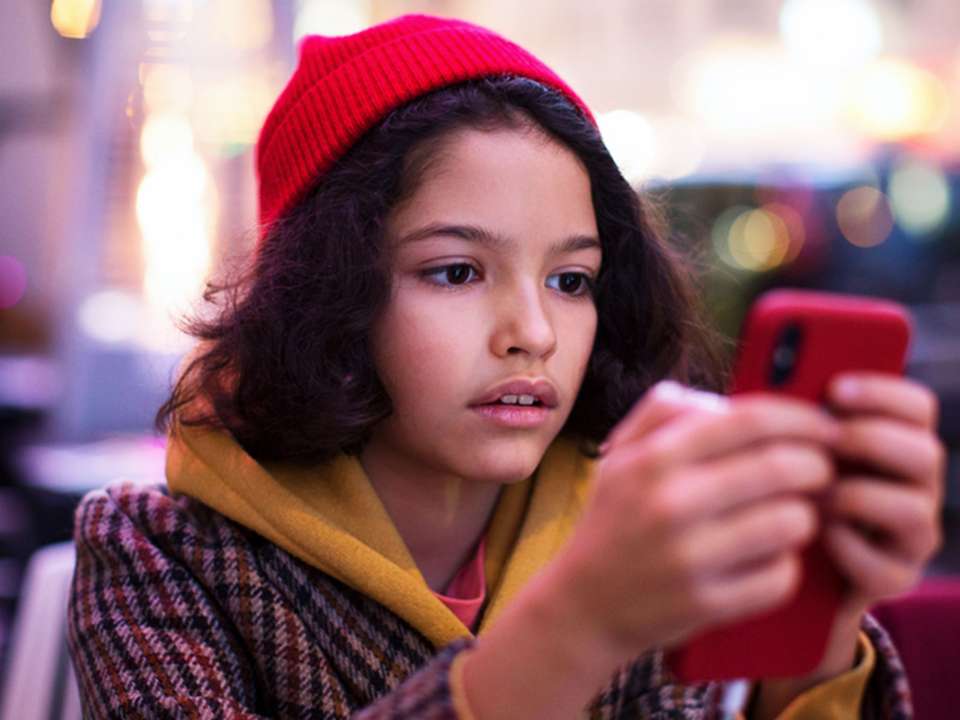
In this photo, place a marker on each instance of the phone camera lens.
(785, 352)
(783, 357)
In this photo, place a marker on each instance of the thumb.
(662, 403)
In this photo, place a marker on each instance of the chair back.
(925, 627)
(39, 681)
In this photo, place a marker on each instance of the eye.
(575, 283)
(456, 272)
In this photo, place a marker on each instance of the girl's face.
(466, 314)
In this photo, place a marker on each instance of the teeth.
(518, 399)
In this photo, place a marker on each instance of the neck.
(439, 518)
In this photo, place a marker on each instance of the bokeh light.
(240, 24)
(119, 317)
(13, 281)
(630, 139)
(168, 11)
(231, 110)
(892, 100)
(176, 209)
(720, 233)
(793, 224)
(75, 18)
(110, 316)
(331, 17)
(679, 147)
(864, 216)
(166, 139)
(834, 32)
(746, 86)
(920, 198)
(166, 88)
(758, 240)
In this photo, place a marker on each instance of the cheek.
(416, 351)
(584, 335)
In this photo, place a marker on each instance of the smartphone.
(793, 342)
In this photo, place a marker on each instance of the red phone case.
(839, 333)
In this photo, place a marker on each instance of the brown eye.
(458, 273)
(571, 282)
(455, 274)
(575, 284)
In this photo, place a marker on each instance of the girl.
(385, 496)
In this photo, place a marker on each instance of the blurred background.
(806, 143)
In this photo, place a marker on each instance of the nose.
(523, 323)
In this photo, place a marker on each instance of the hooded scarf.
(330, 516)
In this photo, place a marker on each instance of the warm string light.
(892, 100)
(176, 204)
(75, 18)
(176, 210)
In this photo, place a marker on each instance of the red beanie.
(345, 85)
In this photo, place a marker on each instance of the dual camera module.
(786, 349)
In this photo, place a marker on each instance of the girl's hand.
(883, 526)
(697, 516)
(884, 521)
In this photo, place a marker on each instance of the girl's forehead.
(509, 182)
(495, 240)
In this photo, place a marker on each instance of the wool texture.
(345, 85)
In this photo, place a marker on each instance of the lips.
(540, 388)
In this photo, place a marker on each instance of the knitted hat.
(343, 86)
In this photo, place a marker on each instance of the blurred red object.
(925, 626)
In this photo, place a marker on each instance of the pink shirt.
(467, 591)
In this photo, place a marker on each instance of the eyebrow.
(496, 241)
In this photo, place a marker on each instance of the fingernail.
(847, 389)
(710, 401)
(669, 389)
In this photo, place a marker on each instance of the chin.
(505, 466)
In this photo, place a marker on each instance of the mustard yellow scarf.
(331, 517)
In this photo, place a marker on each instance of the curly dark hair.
(284, 364)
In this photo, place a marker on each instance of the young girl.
(384, 492)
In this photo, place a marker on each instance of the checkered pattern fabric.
(176, 612)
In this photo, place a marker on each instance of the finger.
(763, 586)
(909, 519)
(884, 394)
(873, 573)
(716, 487)
(891, 447)
(748, 420)
(734, 543)
(663, 402)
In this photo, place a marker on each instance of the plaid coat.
(178, 612)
